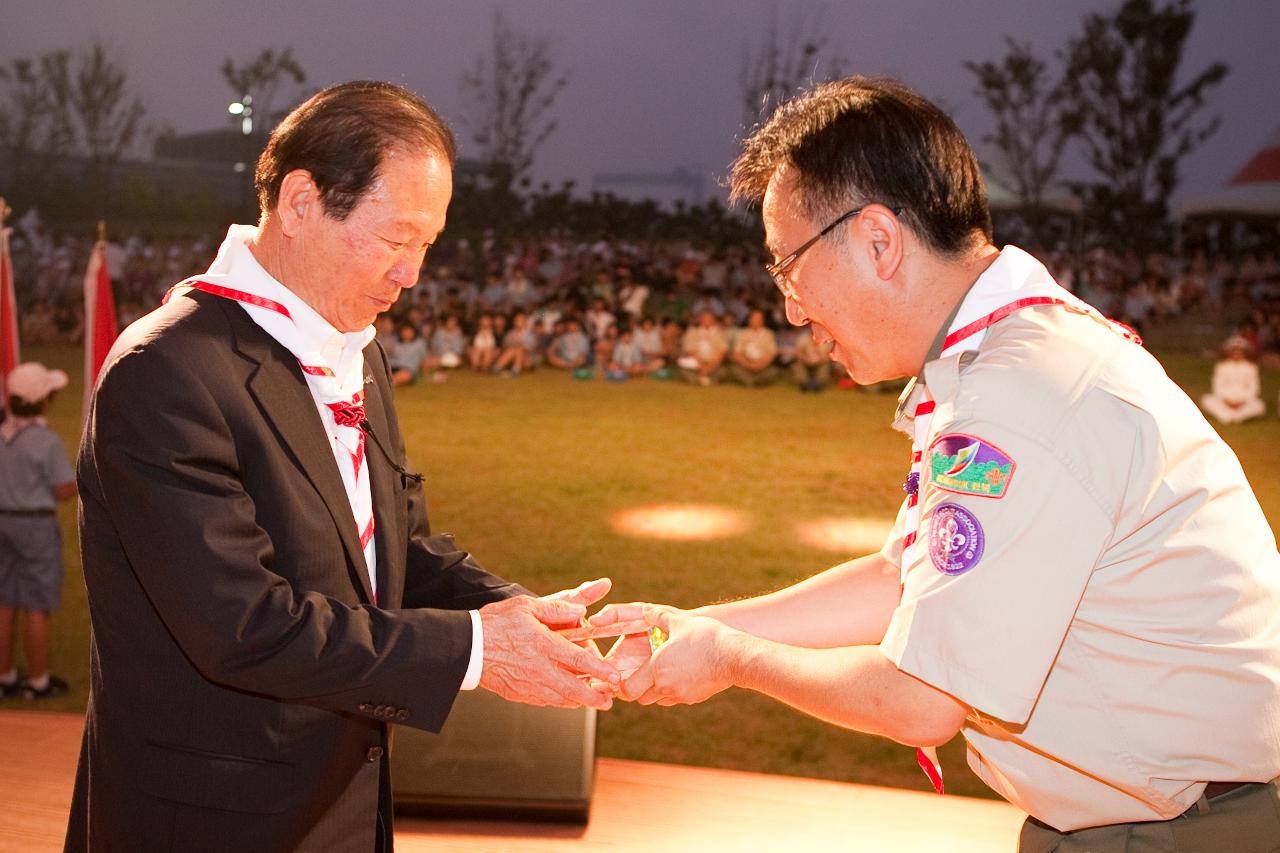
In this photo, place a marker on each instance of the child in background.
(448, 343)
(517, 347)
(34, 475)
(1236, 391)
(628, 358)
(409, 355)
(484, 346)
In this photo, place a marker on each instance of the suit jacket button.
(374, 753)
(402, 714)
(365, 707)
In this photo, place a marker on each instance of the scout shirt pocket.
(999, 568)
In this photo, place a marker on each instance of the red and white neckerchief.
(340, 391)
(1015, 281)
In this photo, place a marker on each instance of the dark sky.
(653, 84)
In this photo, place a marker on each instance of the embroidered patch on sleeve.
(956, 540)
(967, 465)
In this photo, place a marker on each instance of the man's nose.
(405, 273)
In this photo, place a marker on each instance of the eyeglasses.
(779, 270)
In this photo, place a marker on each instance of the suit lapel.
(281, 391)
(383, 483)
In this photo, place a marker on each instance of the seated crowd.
(604, 311)
(712, 349)
(617, 309)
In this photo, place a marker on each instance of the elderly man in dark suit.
(265, 594)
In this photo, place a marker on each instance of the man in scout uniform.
(1080, 579)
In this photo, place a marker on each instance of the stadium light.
(243, 109)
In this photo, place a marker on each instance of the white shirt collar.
(236, 261)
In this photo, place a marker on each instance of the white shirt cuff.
(472, 679)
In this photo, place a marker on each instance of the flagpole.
(9, 342)
(86, 324)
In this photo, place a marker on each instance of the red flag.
(9, 354)
(99, 316)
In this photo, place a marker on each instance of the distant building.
(223, 159)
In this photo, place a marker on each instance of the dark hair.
(861, 140)
(21, 408)
(340, 136)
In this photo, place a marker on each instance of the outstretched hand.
(525, 661)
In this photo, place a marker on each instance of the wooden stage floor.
(638, 806)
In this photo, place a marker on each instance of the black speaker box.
(498, 759)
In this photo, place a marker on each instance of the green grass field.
(528, 472)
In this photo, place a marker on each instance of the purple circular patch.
(955, 539)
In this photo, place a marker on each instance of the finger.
(628, 653)
(638, 685)
(632, 645)
(586, 593)
(657, 615)
(551, 688)
(581, 662)
(574, 692)
(592, 649)
(611, 614)
(588, 630)
(626, 666)
(557, 612)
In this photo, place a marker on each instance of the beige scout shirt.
(756, 344)
(705, 345)
(1119, 638)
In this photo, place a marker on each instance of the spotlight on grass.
(851, 535)
(679, 522)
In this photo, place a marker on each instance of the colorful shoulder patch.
(967, 465)
(956, 540)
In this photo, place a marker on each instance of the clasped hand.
(697, 659)
(525, 660)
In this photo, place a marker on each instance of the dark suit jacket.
(242, 681)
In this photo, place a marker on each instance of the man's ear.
(885, 235)
(298, 199)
